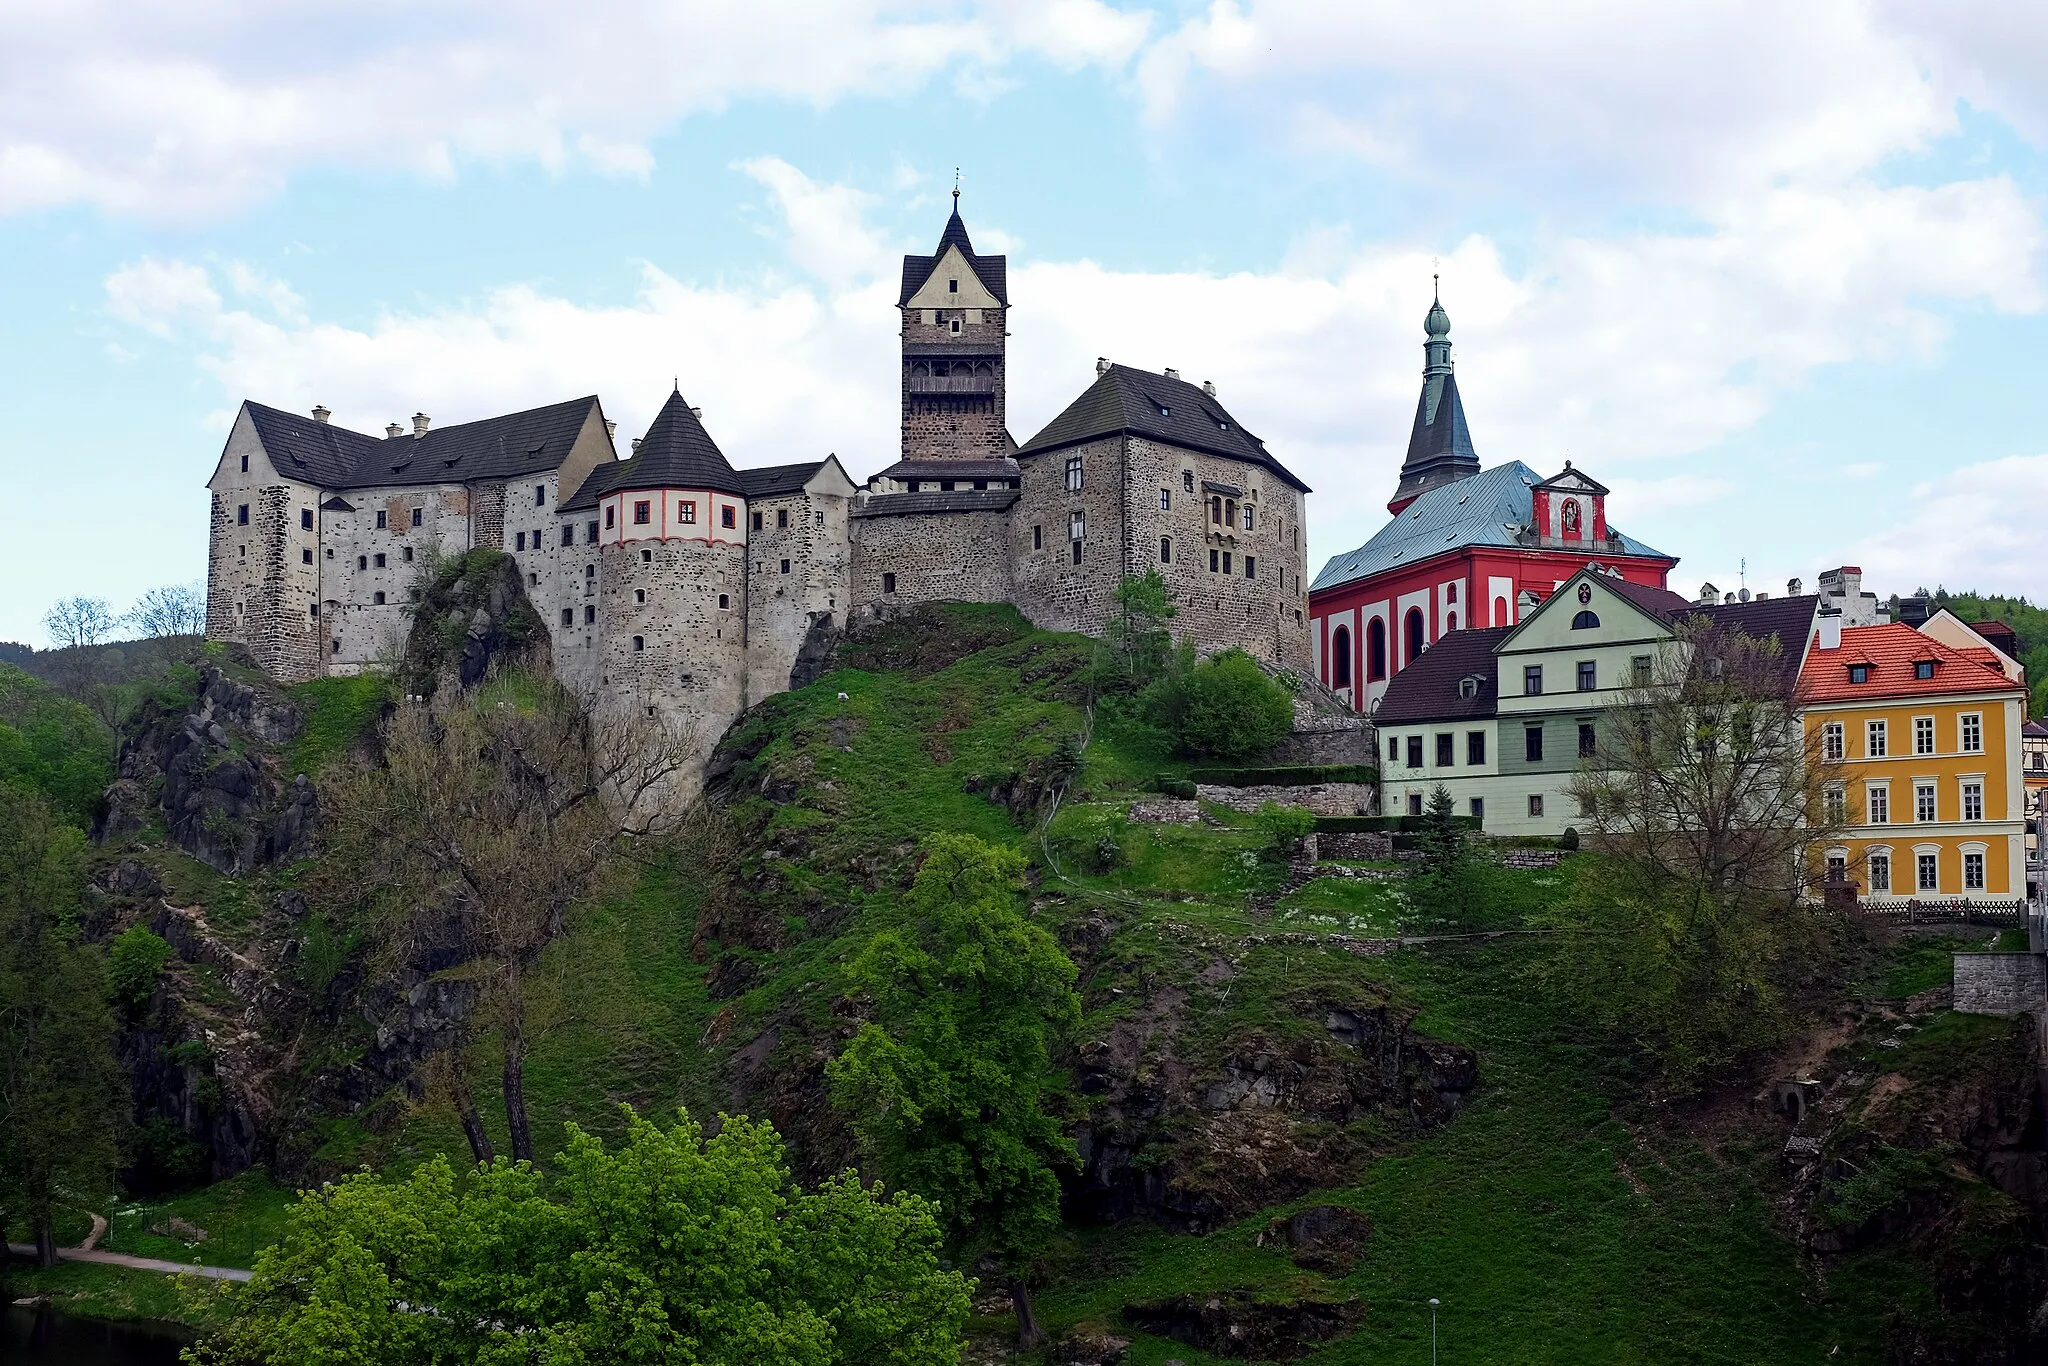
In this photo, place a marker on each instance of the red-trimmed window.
(686, 512)
(643, 512)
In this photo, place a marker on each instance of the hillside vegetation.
(1258, 1040)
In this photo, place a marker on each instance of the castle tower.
(1440, 445)
(954, 305)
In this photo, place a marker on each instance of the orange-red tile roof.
(1891, 651)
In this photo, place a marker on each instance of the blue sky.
(1775, 275)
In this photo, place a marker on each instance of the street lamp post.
(1432, 1333)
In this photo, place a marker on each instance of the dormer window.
(1859, 673)
(1164, 411)
(1923, 668)
(1468, 686)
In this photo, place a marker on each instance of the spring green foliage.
(2029, 623)
(135, 960)
(1283, 826)
(671, 1248)
(1138, 640)
(64, 1092)
(1451, 885)
(1224, 707)
(52, 745)
(338, 712)
(946, 1084)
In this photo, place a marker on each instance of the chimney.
(321, 412)
(697, 413)
(419, 424)
(611, 428)
(1792, 587)
(1727, 599)
(1102, 365)
(1707, 594)
(1209, 387)
(1761, 595)
(1830, 630)
(392, 431)
(1172, 373)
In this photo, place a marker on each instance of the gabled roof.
(2035, 730)
(1569, 480)
(1004, 468)
(774, 481)
(332, 457)
(1891, 650)
(992, 271)
(1427, 690)
(676, 453)
(1140, 403)
(1489, 509)
(1789, 620)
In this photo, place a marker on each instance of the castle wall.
(360, 560)
(954, 416)
(934, 556)
(1053, 589)
(262, 574)
(800, 572)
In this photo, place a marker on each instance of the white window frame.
(1973, 860)
(1877, 803)
(1921, 853)
(1927, 797)
(1876, 739)
(1971, 785)
(1837, 799)
(1970, 732)
(1923, 735)
(1077, 525)
(1833, 747)
(1870, 860)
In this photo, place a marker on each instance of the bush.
(1284, 827)
(1174, 787)
(1569, 840)
(135, 960)
(1222, 708)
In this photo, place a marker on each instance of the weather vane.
(956, 185)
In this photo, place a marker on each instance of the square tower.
(954, 305)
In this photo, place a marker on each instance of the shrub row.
(1299, 775)
(1367, 825)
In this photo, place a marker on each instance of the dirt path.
(88, 1254)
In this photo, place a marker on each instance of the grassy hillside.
(1562, 1215)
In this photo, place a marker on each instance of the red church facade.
(1466, 547)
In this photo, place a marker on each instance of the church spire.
(1439, 445)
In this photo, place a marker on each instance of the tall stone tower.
(954, 305)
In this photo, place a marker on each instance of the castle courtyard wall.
(935, 557)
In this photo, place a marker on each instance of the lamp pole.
(1432, 1333)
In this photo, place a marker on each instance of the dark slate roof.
(1440, 444)
(1661, 603)
(334, 457)
(962, 500)
(951, 469)
(676, 453)
(1144, 404)
(1789, 619)
(775, 481)
(1489, 509)
(1427, 690)
(992, 271)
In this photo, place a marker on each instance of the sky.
(1775, 274)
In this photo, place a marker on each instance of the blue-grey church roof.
(1490, 508)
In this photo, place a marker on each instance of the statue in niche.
(1571, 518)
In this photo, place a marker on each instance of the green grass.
(338, 712)
(1344, 905)
(241, 1217)
(96, 1291)
(1916, 963)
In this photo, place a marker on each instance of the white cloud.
(1619, 354)
(1977, 528)
(194, 110)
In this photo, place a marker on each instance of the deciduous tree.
(946, 1082)
(175, 609)
(77, 621)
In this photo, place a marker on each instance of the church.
(1466, 547)
(677, 581)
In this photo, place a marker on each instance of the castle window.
(1251, 565)
(330, 552)
(383, 519)
(945, 486)
(362, 562)
(1038, 538)
(590, 533)
(568, 534)
(728, 517)
(1213, 556)
(377, 598)
(1230, 512)
(782, 516)
(686, 512)
(647, 557)
(1413, 627)
(952, 286)
(1077, 526)
(1340, 657)
(639, 595)
(1073, 475)
(724, 601)
(337, 647)
(415, 516)
(1450, 622)
(589, 615)
(639, 642)
(785, 566)
(1247, 516)
(1451, 593)
(305, 557)
(757, 521)
(312, 609)
(981, 483)
(1216, 509)
(540, 495)
(380, 559)
(610, 519)
(914, 485)
(519, 541)
(955, 326)
(1375, 650)
(241, 552)
(305, 519)
(820, 517)
(1226, 562)
(888, 583)
(589, 571)
(245, 464)
(242, 515)
(1187, 481)
(1166, 550)
(568, 616)
(643, 512)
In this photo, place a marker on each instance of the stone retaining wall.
(2000, 984)
(1325, 799)
(1365, 847)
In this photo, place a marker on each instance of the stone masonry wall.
(361, 561)
(259, 591)
(961, 427)
(808, 535)
(1052, 590)
(690, 663)
(935, 556)
(2001, 984)
(1325, 799)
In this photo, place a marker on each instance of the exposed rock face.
(1090, 1349)
(1325, 1238)
(1196, 1147)
(1235, 1324)
(474, 614)
(814, 655)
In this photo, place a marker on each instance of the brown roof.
(1427, 690)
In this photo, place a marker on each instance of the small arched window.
(1412, 628)
(1585, 621)
(1340, 657)
(1500, 611)
(1376, 650)
(1451, 622)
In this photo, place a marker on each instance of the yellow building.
(1927, 736)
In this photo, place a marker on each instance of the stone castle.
(677, 582)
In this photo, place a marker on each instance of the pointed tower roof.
(1440, 444)
(676, 453)
(992, 271)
